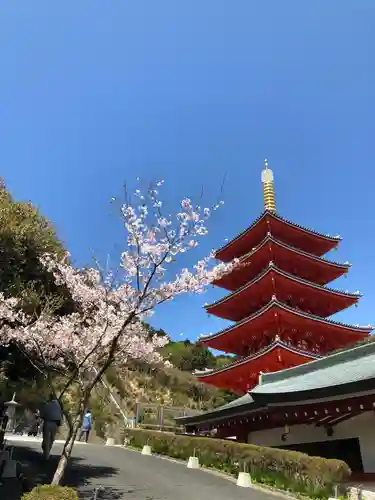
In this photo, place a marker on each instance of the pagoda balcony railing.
(303, 345)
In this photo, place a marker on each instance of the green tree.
(202, 358)
(223, 360)
(188, 356)
(25, 235)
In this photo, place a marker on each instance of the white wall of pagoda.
(362, 427)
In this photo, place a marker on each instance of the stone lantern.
(11, 407)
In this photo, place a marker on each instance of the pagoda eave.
(241, 376)
(285, 257)
(275, 283)
(293, 234)
(290, 325)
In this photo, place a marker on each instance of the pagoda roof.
(275, 316)
(242, 375)
(275, 282)
(311, 267)
(285, 230)
(340, 375)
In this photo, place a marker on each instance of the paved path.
(127, 475)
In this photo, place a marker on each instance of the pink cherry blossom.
(110, 312)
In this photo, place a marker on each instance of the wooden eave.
(214, 308)
(324, 411)
(276, 356)
(352, 333)
(228, 251)
(261, 354)
(222, 413)
(332, 270)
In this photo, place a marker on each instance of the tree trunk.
(67, 451)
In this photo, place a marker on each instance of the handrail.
(112, 397)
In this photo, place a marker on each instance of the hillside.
(168, 387)
(174, 387)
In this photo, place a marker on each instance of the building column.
(242, 435)
(222, 432)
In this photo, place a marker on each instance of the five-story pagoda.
(278, 299)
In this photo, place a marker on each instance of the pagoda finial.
(268, 188)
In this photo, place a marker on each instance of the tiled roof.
(287, 275)
(282, 219)
(275, 302)
(353, 365)
(243, 400)
(234, 407)
(260, 353)
(270, 238)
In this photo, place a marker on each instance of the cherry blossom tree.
(107, 325)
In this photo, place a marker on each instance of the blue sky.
(96, 93)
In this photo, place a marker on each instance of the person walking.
(35, 425)
(86, 426)
(52, 418)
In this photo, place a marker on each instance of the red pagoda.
(278, 300)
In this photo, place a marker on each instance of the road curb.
(27, 439)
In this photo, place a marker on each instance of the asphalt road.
(127, 475)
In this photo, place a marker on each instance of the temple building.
(296, 391)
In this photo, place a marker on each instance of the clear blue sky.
(94, 93)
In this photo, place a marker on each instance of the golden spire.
(268, 188)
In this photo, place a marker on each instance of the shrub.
(282, 469)
(51, 492)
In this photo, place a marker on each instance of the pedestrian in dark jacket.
(36, 424)
(52, 418)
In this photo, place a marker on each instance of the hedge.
(50, 492)
(282, 469)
